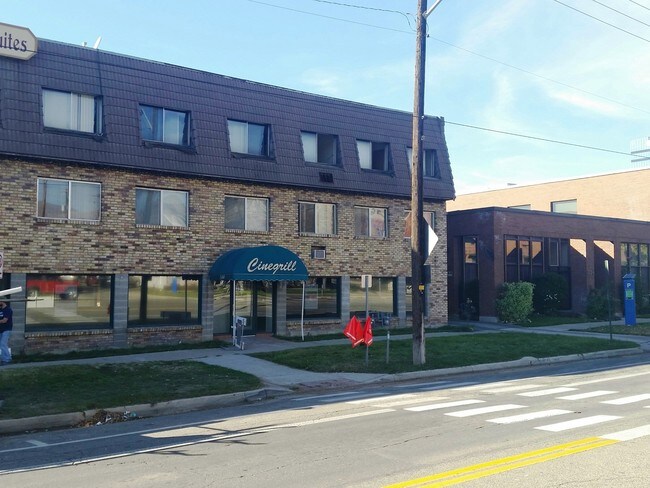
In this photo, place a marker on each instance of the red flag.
(353, 331)
(367, 331)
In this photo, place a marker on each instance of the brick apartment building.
(125, 180)
(570, 227)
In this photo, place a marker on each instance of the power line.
(642, 6)
(602, 21)
(554, 141)
(363, 7)
(474, 53)
(621, 13)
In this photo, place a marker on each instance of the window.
(68, 200)
(431, 168)
(373, 155)
(244, 213)
(163, 125)
(246, 138)
(525, 206)
(161, 207)
(319, 148)
(381, 296)
(524, 258)
(370, 222)
(318, 218)
(72, 111)
(322, 298)
(163, 300)
(68, 301)
(565, 206)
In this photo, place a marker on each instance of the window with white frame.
(68, 200)
(373, 155)
(245, 213)
(430, 166)
(318, 218)
(319, 148)
(161, 207)
(72, 111)
(247, 138)
(164, 125)
(370, 222)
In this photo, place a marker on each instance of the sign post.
(366, 282)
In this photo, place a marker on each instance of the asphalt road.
(576, 424)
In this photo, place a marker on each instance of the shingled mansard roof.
(125, 82)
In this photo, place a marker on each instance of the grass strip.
(35, 391)
(441, 352)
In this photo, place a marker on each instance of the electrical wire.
(621, 13)
(602, 21)
(640, 5)
(554, 141)
(363, 7)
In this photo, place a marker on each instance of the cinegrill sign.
(17, 42)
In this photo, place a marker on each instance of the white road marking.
(37, 443)
(591, 394)
(483, 386)
(507, 389)
(530, 416)
(611, 378)
(626, 435)
(382, 398)
(408, 401)
(483, 410)
(573, 424)
(318, 397)
(629, 399)
(550, 391)
(436, 406)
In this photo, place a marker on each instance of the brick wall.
(117, 245)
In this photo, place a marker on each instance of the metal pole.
(302, 313)
(609, 309)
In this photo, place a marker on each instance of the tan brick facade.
(117, 245)
(621, 195)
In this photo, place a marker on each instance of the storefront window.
(166, 300)
(380, 295)
(321, 298)
(68, 301)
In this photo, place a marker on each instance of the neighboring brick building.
(570, 227)
(124, 180)
(620, 195)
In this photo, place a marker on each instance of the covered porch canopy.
(261, 263)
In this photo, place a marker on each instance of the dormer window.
(164, 125)
(431, 168)
(319, 148)
(247, 138)
(72, 111)
(373, 155)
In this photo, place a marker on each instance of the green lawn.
(638, 329)
(35, 391)
(441, 352)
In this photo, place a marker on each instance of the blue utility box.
(629, 299)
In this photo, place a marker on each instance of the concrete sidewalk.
(281, 380)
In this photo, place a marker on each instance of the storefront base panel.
(156, 336)
(60, 342)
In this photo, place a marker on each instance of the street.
(578, 424)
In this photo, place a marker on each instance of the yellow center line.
(497, 466)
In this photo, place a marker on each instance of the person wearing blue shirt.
(6, 324)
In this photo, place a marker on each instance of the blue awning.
(271, 263)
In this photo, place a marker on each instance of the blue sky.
(532, 67)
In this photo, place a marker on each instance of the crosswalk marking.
(482, 386)
(629, 399)
(524, 417)
(455, 386)
(319, 397)
(590, 394)
(550, 391)
(436, 406)
(627, 435)
(483, 410)
(382, 398)
(397, 400)
(582, 422)
(507, 389)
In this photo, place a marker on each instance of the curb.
(66, 420)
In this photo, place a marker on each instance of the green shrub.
(550, 292)
(515, 302)
(597, 304)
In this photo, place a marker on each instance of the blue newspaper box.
(629, 299)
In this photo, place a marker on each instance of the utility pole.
(417, 217)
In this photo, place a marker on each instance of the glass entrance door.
(255, 304)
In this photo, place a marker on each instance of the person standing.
(6, 324)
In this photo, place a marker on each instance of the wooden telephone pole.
(418, 256)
